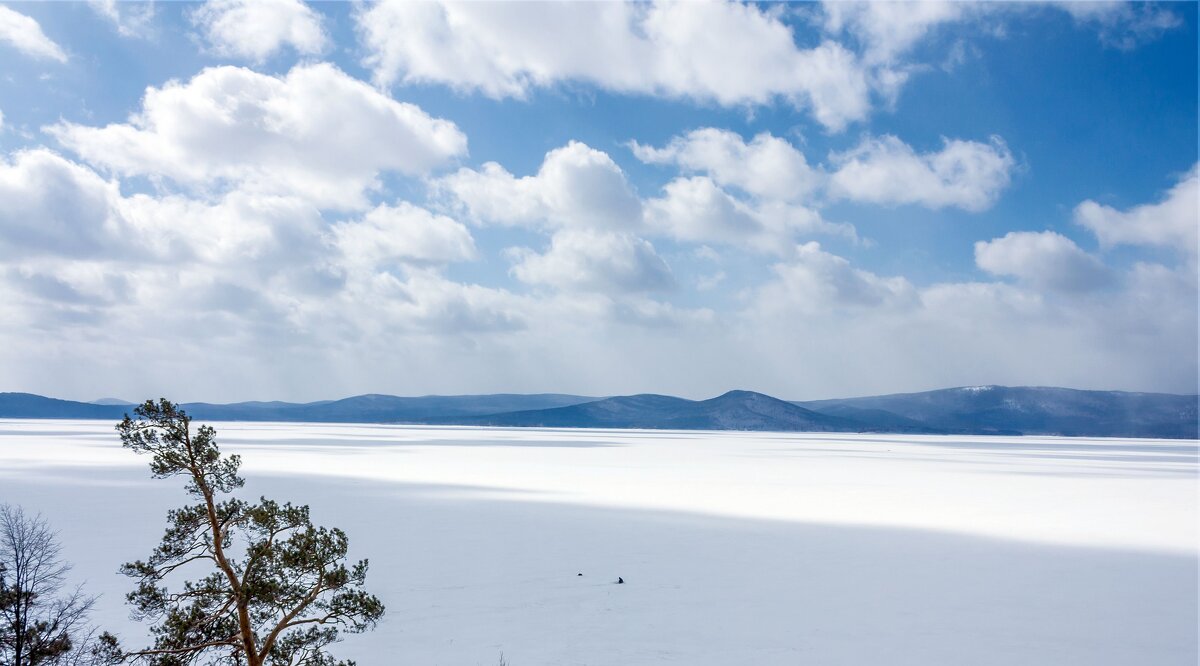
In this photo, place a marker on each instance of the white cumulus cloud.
(256, 29)
(696, 210)
(403, 233)
(236, 228)
(315, 133)
(576, 186)
(1045, 260)
(25, 35)
(131, 19)
(815, 281)
(1171, 222)
(822, 316)
(579, 187)
(889, 29)
(588, 260)
(669, 49)
(964, 174)
(766, 166)
(50, 205)
(259, 271)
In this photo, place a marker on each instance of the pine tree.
(268, 588)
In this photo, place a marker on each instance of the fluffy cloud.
(663, 49)
(696, 210)
(824, 319)
(773, 176)
(667, 48)
(889, 29)
(261, 273)
(54, 208)
(315, 133)
(768, 176)
(767, 166)
(1049, 326)
(268, 279)
(249, 178)
(885, 170)
(402, 234)
(1044, 259)
(81, 260)
(131, 19)
(51, 205)
(261, 303)
(814, 280)
(576, 186)
(579, 187)
(25, 35)
(595, 261)
(1171, 222)
(375, 307)
(237, 229)
(256, 29)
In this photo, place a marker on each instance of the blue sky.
(231, 200)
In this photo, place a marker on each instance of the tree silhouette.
(272, 589)
(42, 622)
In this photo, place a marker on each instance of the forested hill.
(965, 410)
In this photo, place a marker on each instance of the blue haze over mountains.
(967, 410)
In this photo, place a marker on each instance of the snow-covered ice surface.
(737, 548)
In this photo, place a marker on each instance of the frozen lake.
(738, 548)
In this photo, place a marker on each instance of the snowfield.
(737, 548)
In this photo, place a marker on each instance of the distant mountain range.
(967, 410)
(735, 410)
